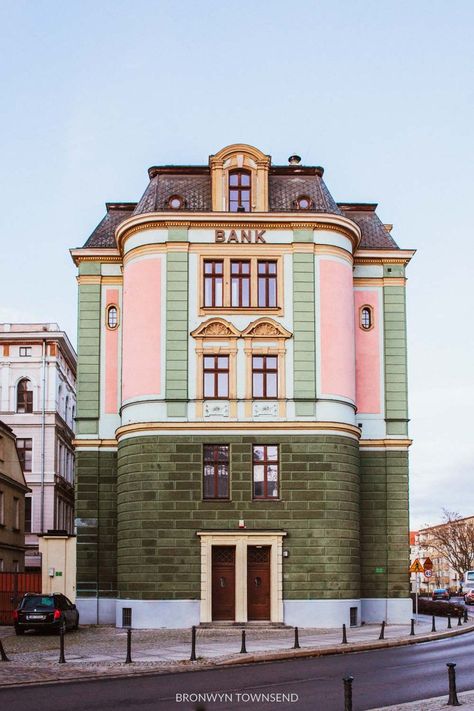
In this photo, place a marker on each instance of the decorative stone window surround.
(372, 317)
(241, 540)
(235, 157)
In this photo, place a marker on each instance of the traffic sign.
(428, 564)
(428, 573)
(416, 566)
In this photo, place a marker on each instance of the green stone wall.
(177, 333)
(96, 513)
(304, 357)
(88, 366)
(160, 508)
(384, 523)
(395, 350)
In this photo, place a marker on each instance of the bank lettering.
(240, 236)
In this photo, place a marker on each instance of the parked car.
(441, 594)
(45, 612)
(469, 597)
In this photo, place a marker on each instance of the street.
(380, 678)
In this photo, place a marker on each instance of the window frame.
(216, 371)
(265, 462)
(239, 188)
(213, 277)
(267, 278)
(265, 371)
(240, 277)
(27, 351)
(29, 519)
(23, 450)
(28, 400)
(215, 463)
(370, 309)
(107, 316)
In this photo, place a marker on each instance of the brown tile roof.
(286, 185)
(374, 234)
(194, 187)
(104, 233)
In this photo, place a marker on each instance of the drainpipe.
(43, 431)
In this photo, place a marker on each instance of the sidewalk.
(466, 699)
(95, 651)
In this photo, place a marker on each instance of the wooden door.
(258, 582)
(223, 583)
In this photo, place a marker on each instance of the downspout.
(43, 431)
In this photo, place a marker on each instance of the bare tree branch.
(453, 540)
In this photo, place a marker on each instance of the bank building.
(242, 442)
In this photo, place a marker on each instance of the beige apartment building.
(12, 504)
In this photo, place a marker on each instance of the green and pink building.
(242, 423)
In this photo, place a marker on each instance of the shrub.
(437, 607)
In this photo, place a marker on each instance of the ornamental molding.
(265, 328)
(216, 409)
(265, 409)
(216, 328)
(261, 328)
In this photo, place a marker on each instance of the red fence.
(12, 588)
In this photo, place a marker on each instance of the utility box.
(58, 553)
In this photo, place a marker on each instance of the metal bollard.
(433, 624)
(243, 648)
(62, 659)
(3, 656)
(382, 631)
(449, 622)
(453, 697)
(412, 631)
(297, 640)
(465, 614)
(344, 635)
(192, 658)
(459, 619)
(128, 660)
(348, 692)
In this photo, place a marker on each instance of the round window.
(303, 202)
(176, 202)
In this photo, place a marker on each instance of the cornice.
(105, 254)
(383, 256)
(386, 444)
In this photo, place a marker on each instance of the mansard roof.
(374, 233)
(104, 233)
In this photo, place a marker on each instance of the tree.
(453, 540)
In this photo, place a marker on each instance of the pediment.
(265, 328)
(216, 328)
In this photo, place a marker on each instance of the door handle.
(222, 582)
(257, 581)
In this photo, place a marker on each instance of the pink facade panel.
(141, 328)
(111, 357)
(368, 355)
(337, 329)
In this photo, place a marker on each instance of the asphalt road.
(381, 678)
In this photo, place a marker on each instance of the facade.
(38, 401)
(12, 504)
(242, 442)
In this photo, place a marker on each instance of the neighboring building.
(242, 442)
(12, 505)
(38, 401)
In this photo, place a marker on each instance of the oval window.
(303, 202)
(366, 317)
(112, 317)
(176, 202)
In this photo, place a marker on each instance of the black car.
(45, 612)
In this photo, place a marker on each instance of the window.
(213, 283)
(2, 448)
(265, 471)
(112, 316)
(24, 396)
(264, 376)
(2, 508)
(176, 202)
(1, 565)
(267, 284)
(303, 202)
(16, 566)
(240, 283)
(239, 191)
(25, 351)
(27, 514)
(216, 376)
(216, 471)
(24, 448)
(366, 318)
(16, 513)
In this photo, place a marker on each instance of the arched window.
(112, 316)
(24, 396)
(366, 318)
(239, 191)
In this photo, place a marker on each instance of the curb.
(255, 658)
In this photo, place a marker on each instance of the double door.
(224, 582)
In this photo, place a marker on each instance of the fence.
(12, 588)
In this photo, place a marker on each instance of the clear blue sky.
(378, 92)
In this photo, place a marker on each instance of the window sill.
(205, 310)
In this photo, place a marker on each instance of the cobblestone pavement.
(94, 651)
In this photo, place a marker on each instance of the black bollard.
(297, 640)
(453, 697)
(3, 656)
(382, 631)
(344, 635)
(459, 619)
(192, 658)
(62, 659)
(128, 660)
(465, 614)
(243, 648)
(449, 622)
(348, 692)
(412, 631)
(433, 624)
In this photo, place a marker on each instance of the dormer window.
(239, 191)
(303, 202)
(176, 202)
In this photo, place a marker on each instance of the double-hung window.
(267, 284)
(213, 282)
(216, 471)
(239, 191)
(264, 376)
(216, 376)
(24, 447)
(265, 465)
(240, 283)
